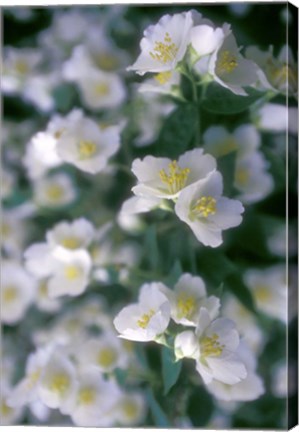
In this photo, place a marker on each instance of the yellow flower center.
(102, 89)
(87, 149)
(107, 61)
(186, 305)
(59, 383)
(204, 207)
(5, 409)
(86, 396)
(33, 378)
(163, 77)
(43, 288)
(282, 75)
(226, 63)
(21, 67)
(106, 357)
(242, 176)
(176, 178)
(72, 272)
(210, 346)
(10, 294)
(71, 242)
(55, 192)
(129, 408)
(165, 51)
(145, 319)
(5, 229)
(262, 293)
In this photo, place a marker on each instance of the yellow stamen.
(43, 288)
(33, 378)
(165, 51)
(86, 396)
(5, 229)
(129, 408)
(226, 63)
(163, 77)
(280, 76)
(87, 149)
(5, 410)
(55, 192)
(185, 305)
(204, 207)
(102, 89)
(262, 293)
(107, 61)
(59, 383)
(145, 319)
(71, 242)
(21, 67)
(72, 272)
(176, 179)
(107, 357)
(210, 346)
(242, 176)
(10, 294)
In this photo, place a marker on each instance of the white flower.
(13, 231)
(278, 74)
(39, 260)
(135, 205)
(213, 346)
(8, 415)
(218, 141)
(94, 400)
(130, 410)
(147, 319)
(248, 328)
(274, 117)
(71, 272)
(87, 146)
(54, 191)
(38, 91)
(188, 296)
(58, 382)
(269, 290)
(164, 44)
(43, 300)
(18, 291)
(248, 389)
(204, 37)
(104, 352)
(277, 241)
(26, 391)
(284, 378)
(101, 90)
(251, 178)
(71, 235)
(166, 178)
(8, 182)
(207, 213)
(163, 82)
(230, 69)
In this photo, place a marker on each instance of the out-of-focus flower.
(18, 290)
(214, 347)
(166, 178)
(202, 207)
(284, 378)
(277, 118)
(230, 69)
(38, 91)
(43, 300)
(87, 146)
(131, 409)
(164, 44)
(8, 415)
(250, 388)
(187, 298)
(71, 235)
(8, 181)
(130, 223)
(105, 353)
(94, 400)
(147, 319)
(54, 191)
(269, 290)
(277, 241)
(275, 73)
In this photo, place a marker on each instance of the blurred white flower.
(284, 378)
(164, 44)
(8, 415)
(163, 82)
(131, 409)
(94, 400)
(8, 181)
(104, 353)
(87, 146)
(130, 223)
(186, 299)
(13, 232)
(252, 179)
(202, 206)
(71, 272)
(214, 347)
(250, 388)
(282, 242)
(18, 290)
(38, 91)
(54, 191)
(166, 178)
(39, 260)
(71, 235)
(269, 289)
(43, 300)
(147, 319)
(273, 117)
(58, 382)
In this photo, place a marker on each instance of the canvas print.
(149, 222)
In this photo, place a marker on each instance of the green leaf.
(214, 266)
(236, 285)
(222, 101)
(226, 165)
(151, 246)
(170, 369)
(121, 376)
(174, 274)
(177, 131)
(64, 96)
(159, 416)
(200, 407)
